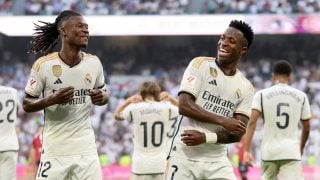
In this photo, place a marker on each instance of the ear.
(290, 77)
(62, 31)
(244, 50)
(273, 78)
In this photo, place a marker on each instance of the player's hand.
(62, 95)
(164, 95)
(98, 97)
(193, 137)
(301, 151)
(248, 158)
(234, 126)
(135, 99)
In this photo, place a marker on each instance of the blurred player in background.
(9, 146)
(151, 128)
(282, 108)
(35, 150)
(215, 100)
(66, 84)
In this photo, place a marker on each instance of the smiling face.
(231, 46)
(74, 31)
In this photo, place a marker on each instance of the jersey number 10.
(156, 126)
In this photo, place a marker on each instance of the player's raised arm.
(165, 96)
(133, 99)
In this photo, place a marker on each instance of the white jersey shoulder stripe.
(41, 60)
(197, 62)
(88, 55)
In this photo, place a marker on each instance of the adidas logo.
(213, 82)
(58, 81)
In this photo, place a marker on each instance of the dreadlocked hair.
(244, 28)
(46, 36)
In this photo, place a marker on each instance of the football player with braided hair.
(66, 84)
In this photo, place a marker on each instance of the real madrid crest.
(213, 72)
(88, 78)
(56, 70)
(237, 94)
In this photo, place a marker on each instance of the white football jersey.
(67, 129)
(282, 108)
(153, 126)
(216, 93)
(9, 103)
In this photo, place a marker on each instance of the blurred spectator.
(166, 63)
(162, 7)
(6, 7)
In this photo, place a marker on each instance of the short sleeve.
(306, 112)
(256, 103)
(100, 81)
(192, 78)
(35, 83)
(126, 114)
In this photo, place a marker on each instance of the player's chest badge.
(88, 79)
(237, 94)
(56, 70)
(213, 72)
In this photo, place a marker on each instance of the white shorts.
(8, 163)
(178, 168)
(286, 169)
(147, 176)
(76, 167)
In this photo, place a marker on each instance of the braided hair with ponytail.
(46, 36)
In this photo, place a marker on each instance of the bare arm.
(99, 97)
(127, 102)
(188, 107)
(194, 137)
(255, 114)
(33, 104)
(164, 96)
(305, 134)
(226, 137)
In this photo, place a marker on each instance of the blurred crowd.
(165, 63)
(162, 7)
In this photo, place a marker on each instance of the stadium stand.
(164, 58)
(114, 137)
(162, 7)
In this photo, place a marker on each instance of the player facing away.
(214, 101)
(66, 84)
(9, 146)
(282, 108)
(151, 129)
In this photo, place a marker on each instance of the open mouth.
(223, 51)
(85, 37)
